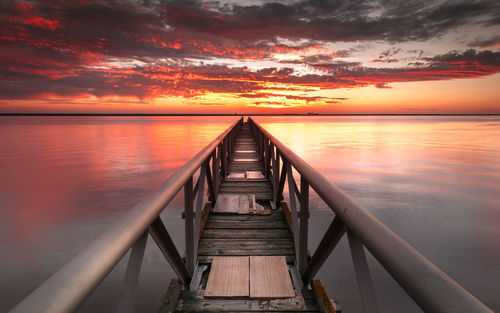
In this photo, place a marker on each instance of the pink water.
(435, 181)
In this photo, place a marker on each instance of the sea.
(433, 180)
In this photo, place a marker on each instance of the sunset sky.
(129, 56)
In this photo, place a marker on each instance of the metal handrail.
(70, 286)
(430, 288)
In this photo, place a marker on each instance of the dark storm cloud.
(485, 42)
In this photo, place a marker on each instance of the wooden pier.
(248, 256)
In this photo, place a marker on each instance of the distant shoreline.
(241, 114)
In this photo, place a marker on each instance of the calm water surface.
(434, 181)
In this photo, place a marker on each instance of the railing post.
(211, 185)
(276, 171)
(224, 159)
(127, 296)
(293, 205)
(304, 222)
(188, 221)
(199, 207)
(363, 277)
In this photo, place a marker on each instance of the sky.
(340, 57)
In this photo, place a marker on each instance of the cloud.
(148, 49)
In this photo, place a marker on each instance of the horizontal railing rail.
(426, 284)
(70, 286)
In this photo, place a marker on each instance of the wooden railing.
(70, 286)
(429, 287)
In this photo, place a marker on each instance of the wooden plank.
(245, 160)
(196, 303)
(202, 259)
(246, 233)
(248, 225)
(234, 252)
(198, 273)
(276, 215)
(269, 278)
(245, 244)
(236, 175)
(245, 204)
(254, 175)
(227, 203)
(245, 151)
(229, 277)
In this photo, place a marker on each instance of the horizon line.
(251, 114)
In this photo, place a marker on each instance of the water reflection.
(65, 179)
(434, 181)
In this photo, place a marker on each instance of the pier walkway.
(246, 226)
(229, 233)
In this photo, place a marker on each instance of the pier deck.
(243, 235)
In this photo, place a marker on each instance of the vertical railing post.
(224, 159)
(214, 170)
(304, 223)
(127, 296)
(276, 170)
(293, 208)
(199, 208)
(188, 221)
(273, 173)
(365, 284)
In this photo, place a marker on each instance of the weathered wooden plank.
(254, 175)
(234, 252)
(242, 160)
(241, 155)
(246, 244)
(246, 166)
(228, 277)
(245, 204)
(240, 175)
(304, 301)
(193, 295)
(269, 278)
(202, 259)
(247, 233)
(227, 203)
(198, 273)
(296, 304)
(248, 183)
(275, 216)
(246, 225)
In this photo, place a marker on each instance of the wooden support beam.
(188, 221)
(167, 247)
(217, 169)
(332, 236)
(211, 186)
(293, 209)
(127, 295)
(276, 171)
(171, 296)
(199, 207)
(363, 277)
(304, 223)
(281, 185)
